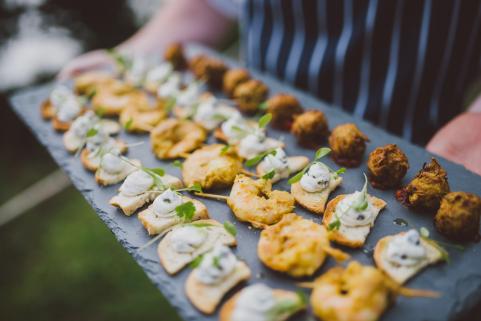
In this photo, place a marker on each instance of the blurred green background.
(58, 260)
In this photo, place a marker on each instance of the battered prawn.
(255, 202)
(173, 138)
(212, 167)
(296, 246)
(142, 116)
(110, 100)
(356, 293)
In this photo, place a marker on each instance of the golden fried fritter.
(427, 189)
(173, 138)
(283, 108)
(296, 246)
(249, 95)
(175, 55)
(348, 144)
(210, 69)
(233, 78)
(458, 216)
(255, 202)
(387, 166)
(211, 168)
(310, 128)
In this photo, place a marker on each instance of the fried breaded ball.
(295, 245)
(249, 95)
(175, 55)
(210, 69)
(310, 128)
(458, 216)
(387, 166)
(427, 189)
(210, 167)
(348, 144)
(233, 78)
(284, 108)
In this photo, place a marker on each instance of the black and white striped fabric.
(402, 64)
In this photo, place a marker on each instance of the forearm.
(181, 21)
(460, 139)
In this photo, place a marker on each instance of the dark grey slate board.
(459, 281)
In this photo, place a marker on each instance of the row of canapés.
(158, 97)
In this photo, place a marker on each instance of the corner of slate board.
(459, 281)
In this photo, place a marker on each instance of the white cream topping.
(138, 70)
(208, 114)
(189, 96)
(406, 249)
(356, 209)
(159, 74)
(254, 304)
(113, 164)
(82, 124)
(100, 139)
(316, 178)
(235, 128)
(136, 183)
(253, 144)
(216, 265)
(188, 238)
(171, 87)
(66, 104)
(278, 163)
(165, 204)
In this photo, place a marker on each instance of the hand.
(460, 141)
(89, 61)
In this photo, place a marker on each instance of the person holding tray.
(402, 65)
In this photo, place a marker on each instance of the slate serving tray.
(459, 281)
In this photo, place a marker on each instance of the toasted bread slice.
(206, 297)
(129, 204)
(316, 201)
(72, 142)
(155, 224)
(92, 163)
(354, 237)
(228, 308)
(46, 110)
(104, 178)
(295, 163)
(401, 273)
(173, 261)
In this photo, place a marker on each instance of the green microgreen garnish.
(123, 62)
(335, 224)
(288, 306)
(269, 175)
(177, 163)
(91, 132)
(185, 211)
(225, 149)
(230, 228)
(196, 262)
(256, 159)
(263, 106)
(193, 188)
(169, 104)
(216, 262)
(320, 153)
(129, 123)
(363, 204)
(264, 120)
